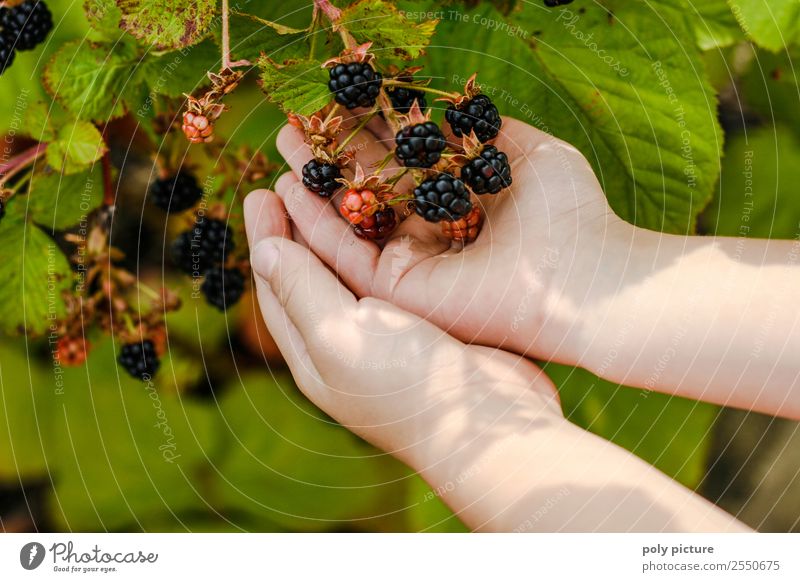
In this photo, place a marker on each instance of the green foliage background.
(635, 85)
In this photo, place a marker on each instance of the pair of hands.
(420, 348)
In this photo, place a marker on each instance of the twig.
(18, 163)
(108, 184)
(357, 129)
(395, 83)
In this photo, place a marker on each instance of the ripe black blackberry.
(206, 244)
(355, 84)
(320, 177)
(478, 113)
(7, 51)
(554, 3)
(26, 25)
(177, 193)
(489, 172)
(139, 359)
(223, 287)
(420, 145)
(378, 226)
(403, 98)
(444, 197)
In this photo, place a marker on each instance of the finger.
(330, 237)
(264, 216)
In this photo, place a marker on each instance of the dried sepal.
(357, 54)
(373, 182)
(471, 89)
(414, 116)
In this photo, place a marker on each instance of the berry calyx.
(420, 145)
(206, 244)
(139, 359)
(197, 127)
(476, 114)
(357, 205)
(443, 197)
(378, 226)
(176, 193)
(322, 177)
(465, 229)
(71, 351)
(26, 25)
(489, 173)
(403, 98)
(222, 287)
(355, 84)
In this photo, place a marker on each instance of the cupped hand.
(517, 286)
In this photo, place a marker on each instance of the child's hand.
(503, 290)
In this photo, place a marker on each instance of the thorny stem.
(226, 41)
(394, 83)
(20, 162)
(334, 110)
(358, 128)
(396, 178)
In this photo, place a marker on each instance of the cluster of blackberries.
(139, 359)
(22, 28)
(176, 193)
(201, 251)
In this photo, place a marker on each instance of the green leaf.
(714, 24)
(126, 451)
(772, 24)
(297, 86)
(288, 463)
(34, 271)
(25, 415)
(758, 187)
(387, 28)
(770, 87)
(643, 113)
(89, 79)
(182, 72)
(37, 122)
(252, 36)
(103, 17)
(77, 147)
(167, 25)
(56, 201)
(669, 432)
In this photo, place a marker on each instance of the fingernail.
(265, 257)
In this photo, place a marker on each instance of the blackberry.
(378, 226)
(444, 197)
(223, 287)
(320, 177)
(478, 113)
(26, 25)
(7, 50)
(420, 145)
(177, 193)
(139, 359)
(206, 244)
(403, 98)
(554, 3)
(355, 84)
(489, 172)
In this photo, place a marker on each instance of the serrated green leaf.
(56, 201)
(286, 461)
(103, 17)
(88, 80)
(772, 24)
(388, 29)
(25, 415)
(167, 25)
(182, 72)
(37, 123)
(76, 148)
(34, 271)
(297, 86)
(252, 36)
(643, 113)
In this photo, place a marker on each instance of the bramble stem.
(108, 185)
(20, 162)
(357, 129)
(425, 88)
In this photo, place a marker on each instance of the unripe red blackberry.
(139, 359)
(26, 25)
(378, 226)
(355, 84)
(176, 193)
(478, 114)
(443, 197)
(420, 145)
(321, 177)
(489, 172)
(465, 229)
(356, 205)
(223, 288)
(197, 128)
